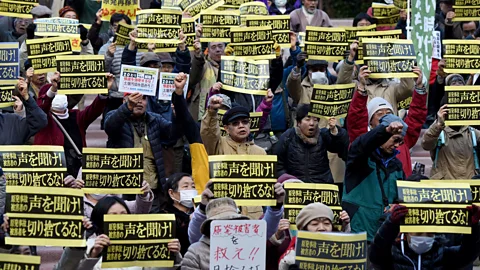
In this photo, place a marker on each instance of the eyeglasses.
(245, 122)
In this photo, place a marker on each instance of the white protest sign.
(138, 79)
(238, 244)
(167, 86)
(437, 45)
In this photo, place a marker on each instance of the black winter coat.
(309, 162)
(386, 253)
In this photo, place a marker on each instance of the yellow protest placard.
(17, 8)
(331, 100)
(390, 34)
(280, 27)
(326, 43)
(16, 261)
(6, 99)
(127, 7)
(82, 74)
(43, 51)
(217, 25)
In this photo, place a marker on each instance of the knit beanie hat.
(302, 111)
(390, 118)
(375, 105)
(311, 212)
(284, 177)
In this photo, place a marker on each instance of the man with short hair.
(308, 15)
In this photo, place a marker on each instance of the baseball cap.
(235, 113)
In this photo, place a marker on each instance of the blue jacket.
(120, 132)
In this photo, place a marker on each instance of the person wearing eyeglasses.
(372, 171)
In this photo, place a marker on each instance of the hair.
(465, 22)
(101, 209)
(363, 16)
(66, 9)
(415, 177)
(172, 183)
(477, 176)
(118, 17)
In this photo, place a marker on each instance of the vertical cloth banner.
(423, 23)
(238, 244)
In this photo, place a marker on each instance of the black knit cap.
(235, 113)
(302, 111)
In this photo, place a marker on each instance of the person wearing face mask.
(180, 192)
(453, 149)
(308, 15)
(418, 251)
(66, 127)
(302, 150)
(316, 218)
(372, 173)
(90, 257)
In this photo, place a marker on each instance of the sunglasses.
(244, 122)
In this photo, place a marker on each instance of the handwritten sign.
(388, 58)
(255, 118)
(40, 215)
(299, 195)
(248, 179)
(9, 63)
(167, 86)
(138, 240)
(241, 75)
(331, 250)
(6, 99)
(463, 103)
(436, 207)
(15, 261)
(236, 244)
(82, 74)
(217, 25)
(138, 79)
(112, 171)
(126, 7)
(253, 42)
(17, 8)
(280, 27)
(331, 100)
(391, 34)
(43, 52)
(462, 56)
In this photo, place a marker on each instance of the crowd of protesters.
(364, 153)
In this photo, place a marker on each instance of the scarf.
(313, 140)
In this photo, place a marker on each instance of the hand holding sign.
(23, 88)
(449, 17)
(301, 58)
(207, 194)
(279, 193)
(398, 213)
(198, 30)
(197, 46)
(55, 81)
(293, 41)
(269, 96)
(217, 87)
(101, 242)
(441, 115)
(183, 38)
(363, 75)
(419, 82)
(145, 189)
(133, 100)
(174, 246)
(110, 80)
(98, 17)
(30, 72)
(283, 225)
(353, 50)
(345, 218)
(180, 81)
(111, 49)
(18, 106)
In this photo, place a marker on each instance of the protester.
(132, 126)
(308, 15)
(17, 130)
(359, 119)
(91, 257)
(372, 173)
(363, 19)
(315, 217)
(446, 20)
(99, 39)
(421, 250)
(180, 192)
(19, 29)
(452, 148)
(302, 150)
(283, 7)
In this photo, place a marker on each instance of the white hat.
(376, 104)
(60, 103)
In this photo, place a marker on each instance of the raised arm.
(430, 139)
(210, 128)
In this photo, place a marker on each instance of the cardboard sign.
(217, 25)
(248, 179)
(9, 63)
(82, 75)
(331, 100)
(43, 215)
(15, 261)
(6, 99)
(462, 56)
(331, 250)
(112, 171)
(130, 234)
(17, 8)
(126, 7)
(388, 58)
(231, 244)
(43, 52)
(138, 79)
(435, 207)
(167, 86)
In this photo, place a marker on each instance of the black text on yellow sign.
(404, 104)
(159, 17)
(326, 35)
(46, 29)
(42, 52)
(36, 157)
(253, 8)
(391, 34)
(158, 34)
(217, 25)
(48, 178)
(251, 34)
(433, 192)
(466, 14)
(257, 51)
(19, 262)
(245, 66)
(82, 75)
(280, 26)
(333, 93)
(246, 192)
(459, 115)
(112, 171)
(467, 3)
(6, 99)
(17, 9)
(384, 11)
(331, 251)
(401, 4)
(467, 95)
(329, 52)
(244, 84)
(462, 56)
(139, 240)
(353, 31)
(382, 69)
(329, 109)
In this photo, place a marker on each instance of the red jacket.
(52, 134)
(357, 123)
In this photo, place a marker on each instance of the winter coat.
(299, 23)
(141, 205)
(198, 255)
(16, 130)
(181, 228)
(366, 169)
(357, 122)
(386, 252)
(306, 158)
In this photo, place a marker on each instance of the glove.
(31, 31)
(278, 49)
(301, 58)
(475, 213)
(83, 32)
(229, 50)
(398, 213)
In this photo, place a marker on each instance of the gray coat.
(299, 23)
(16, 130)
(198, 255)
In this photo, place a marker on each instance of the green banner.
(423, 25)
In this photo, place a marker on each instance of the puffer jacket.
(306, 158)
(120, 133)
(366, 169)
(386, 251)
(198, 255)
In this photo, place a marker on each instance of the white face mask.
(186, 197)
(280, 3)
(319, 78)
(98, 196)
(421, 244)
